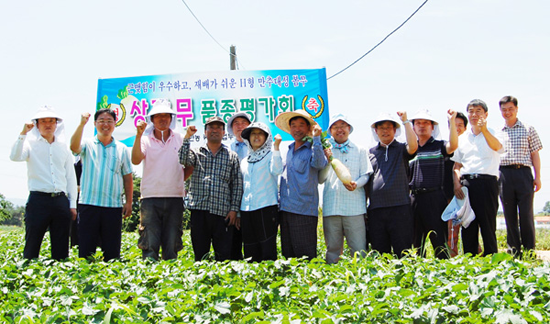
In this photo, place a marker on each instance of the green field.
(377, 289)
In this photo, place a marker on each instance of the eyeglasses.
(105, 121)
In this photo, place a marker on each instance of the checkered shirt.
(217, 182)
(520, 141)
(337, 200)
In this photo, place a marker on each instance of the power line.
(372, 49)
(206, 30)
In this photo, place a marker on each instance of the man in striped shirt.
(106, 171)
(427, 178)
(517, 185)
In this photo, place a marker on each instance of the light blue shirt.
(240, 148)
(299, 181)
(103, 168)
(260, 181)
(337, 200)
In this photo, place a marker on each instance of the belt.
(419, 191)
(477, 176)
(514, 166)
(49, 194)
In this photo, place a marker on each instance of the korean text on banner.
(197, 96)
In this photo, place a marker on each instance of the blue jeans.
(161, 224)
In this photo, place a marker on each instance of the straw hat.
(283, 120)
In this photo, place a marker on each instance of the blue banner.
(197, 96)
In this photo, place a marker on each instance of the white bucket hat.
(382, 117)
(341, 117)
(241, 114)
(425, 114)
(161, 106)
(48, 112)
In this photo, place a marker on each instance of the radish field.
(377, 289)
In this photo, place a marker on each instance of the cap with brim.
(424, 114)
(256, 125)
(341, 117)
(382, 117)
(283, 120)
(215, 119)
(161, 106)
(46, 112)
(230, 121)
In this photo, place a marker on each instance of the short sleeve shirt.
(428, 166)
(520, 141)
(390, 181)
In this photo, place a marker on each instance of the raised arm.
(492, 141)
(137, 154)
(76, 139)
(412, 142)
(17, 151)
(187, 158)
(452, 144)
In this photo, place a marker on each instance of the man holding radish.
(299, 197)
(428, 198)
(344, 204)
(390, 219)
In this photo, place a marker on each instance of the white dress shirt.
(50, 167)
(476, 156)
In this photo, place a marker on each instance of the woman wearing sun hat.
(299, 197)
(259, 210)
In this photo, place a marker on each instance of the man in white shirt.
(477, 167)
(51, 182)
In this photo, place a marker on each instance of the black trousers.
(99, 226)
(516, 192)
(43, 211)
(237, 244)
(208, 229)
(427, 209)
(483, 194)
(391, 227)
(298, 235)
(259, 228)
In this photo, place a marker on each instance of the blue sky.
(53, 52)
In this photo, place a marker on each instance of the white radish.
(341, 171)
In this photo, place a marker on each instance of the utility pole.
(233, 57)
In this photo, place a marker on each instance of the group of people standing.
(239, 196)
